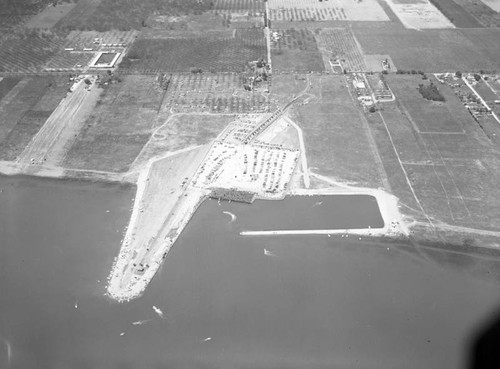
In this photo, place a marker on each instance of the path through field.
(55, 137)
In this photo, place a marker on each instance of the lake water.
(312, 302)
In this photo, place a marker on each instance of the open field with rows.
(80, 47)
(451, 166)
(456, 14)
(238, 6)
(119, 127)
(295, 50)
(339, 44)
(24, 108)
(336, 140)
(482, 11)
(208, 53)
(434, 50)
(215, 93)
(304, 10)
(27, 55)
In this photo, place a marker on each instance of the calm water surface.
(314, 302)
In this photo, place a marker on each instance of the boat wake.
(233, 217)
(8, 346)
(141, 322)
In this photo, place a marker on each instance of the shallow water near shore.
(227, 301)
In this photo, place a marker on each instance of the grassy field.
(434, 50)
(115, 133)
(211, 54)
(23, 113)
(429, 116)
(215, 93)
(335, 135)
(452, 185)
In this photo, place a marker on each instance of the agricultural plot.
(6, 84)
(239, 6)
(456, 14)
(483, 10)
(295, 51)
(25, 109)
(332, 10)
(78, 17)
(119, 127)
(81, 47)
(339, 46)
(215, 93)
(107, 15)
(49, 17)
(434, 50)
(208, 53)
(27, 55)
(419, 14)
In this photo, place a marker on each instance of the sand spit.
(163, 205)
(395, 224)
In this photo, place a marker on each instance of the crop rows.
(69, 60)
(342, 45)
(221, 93)
(27, 55)
(239, 6)
(205, 53)
(307, 14)
(80, 40)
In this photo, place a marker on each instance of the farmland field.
(48, 17)
(27, 55)
(434, 50)
(216, 93)
(123, 15)
(209, 54)
(340, 44)
(25, 109)
(6, 84)
(481, 11)
(303, 10)
(296, 50)
(456, 14)
(238, 6)
(120, 125)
